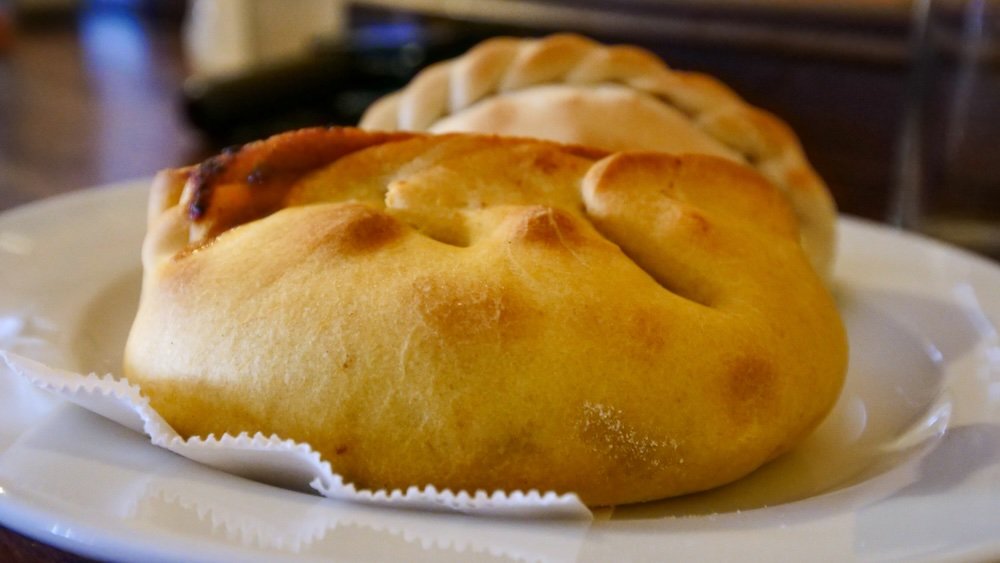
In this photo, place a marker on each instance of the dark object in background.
(332, 86)
(947, 183)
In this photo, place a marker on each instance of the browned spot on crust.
(348, 362)
(548, 162)
(646, 334)
(203, 180)
(548, 226)
(268, 168)
(464, 310)
(696, 222)
(357, 229)
(749, 386)
(341, 449)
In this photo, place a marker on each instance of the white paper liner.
(271, 459)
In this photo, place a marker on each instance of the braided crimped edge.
(503, 65)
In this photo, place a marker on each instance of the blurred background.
(897, 102)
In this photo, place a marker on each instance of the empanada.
(478, 312)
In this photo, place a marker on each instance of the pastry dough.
(478, 312)
(570, 89)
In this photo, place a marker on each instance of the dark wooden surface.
(93, 97)
(15, 548)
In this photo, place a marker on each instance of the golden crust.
(489, 313)
(570, 89)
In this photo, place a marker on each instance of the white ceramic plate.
(906, 468)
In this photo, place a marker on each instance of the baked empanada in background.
(483, 313)
(570, 89)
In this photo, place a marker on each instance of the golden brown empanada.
(476, 312)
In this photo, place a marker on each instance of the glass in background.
(948, 167)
